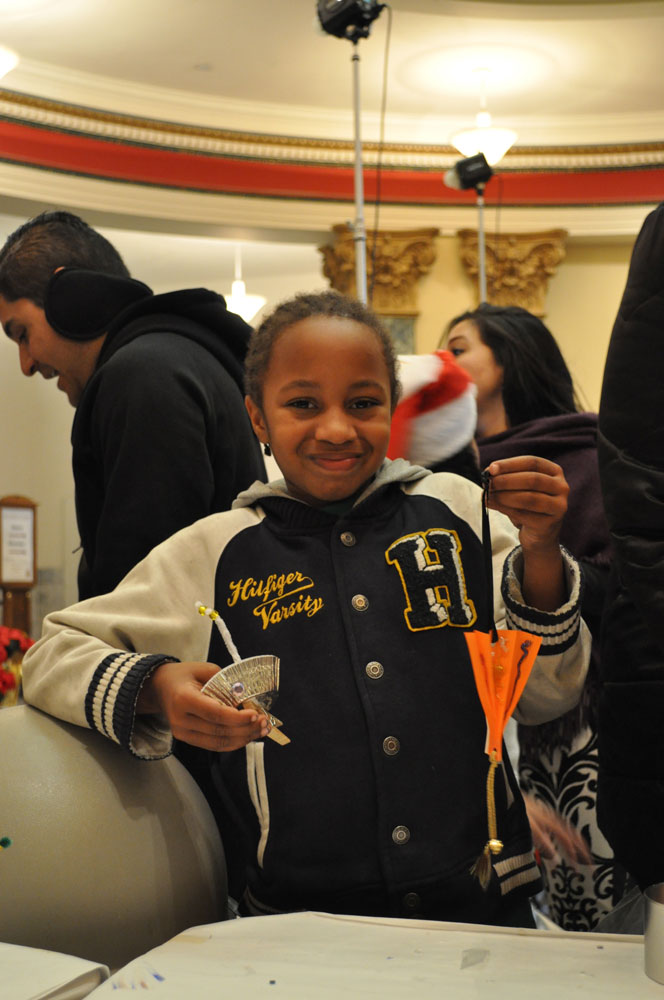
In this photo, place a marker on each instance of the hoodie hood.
(81, 305)
(398, 471)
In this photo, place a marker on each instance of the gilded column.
(396, 260)
(518, 265)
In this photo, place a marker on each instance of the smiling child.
(362, 576)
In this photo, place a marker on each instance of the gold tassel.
(482, 868)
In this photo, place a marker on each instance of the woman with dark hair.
(527, 405)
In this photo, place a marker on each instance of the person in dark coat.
(161, 436)
(631, 457)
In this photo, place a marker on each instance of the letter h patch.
(431, 572)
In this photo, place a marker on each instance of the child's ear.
(257, 420)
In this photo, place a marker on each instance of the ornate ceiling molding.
(146, 167)
(77, 119)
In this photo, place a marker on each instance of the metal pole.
(480, 243)
(359, 229)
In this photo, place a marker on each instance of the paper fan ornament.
(249, 683)
(502, 660)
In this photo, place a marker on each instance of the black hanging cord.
(486, 546)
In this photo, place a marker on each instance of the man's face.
(42, 350)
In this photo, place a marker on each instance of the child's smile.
(326, 407)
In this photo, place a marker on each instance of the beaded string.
(215, 617)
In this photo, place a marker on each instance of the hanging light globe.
(485, 138)
(238, 301)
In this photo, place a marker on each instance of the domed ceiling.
(224, 114)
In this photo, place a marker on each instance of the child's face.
(326, 407)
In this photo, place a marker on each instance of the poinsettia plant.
(13, 644)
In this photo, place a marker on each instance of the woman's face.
(473, 355)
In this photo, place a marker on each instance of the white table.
(307, 956)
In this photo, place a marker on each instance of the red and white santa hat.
(437, 413)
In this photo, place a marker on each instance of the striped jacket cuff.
(110, 704)
(558, 629)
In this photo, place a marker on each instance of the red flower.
(7, 681)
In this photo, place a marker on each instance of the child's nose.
(336, 426)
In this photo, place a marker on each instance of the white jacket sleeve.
(92, 659)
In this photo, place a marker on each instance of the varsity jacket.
(161, 436)
(378, 804)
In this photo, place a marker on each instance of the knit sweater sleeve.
(93, 658)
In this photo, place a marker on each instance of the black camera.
(348, 18)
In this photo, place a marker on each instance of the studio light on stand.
(352, 19)
(238, 301)
(473, 172)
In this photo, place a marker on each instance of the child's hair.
(301, 307)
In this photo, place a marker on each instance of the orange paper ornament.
(502, 661)
(501, 669)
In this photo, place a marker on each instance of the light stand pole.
(351, 19)
(359, 227)
(473, 172)
(481, 242)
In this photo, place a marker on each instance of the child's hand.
(533, 493)
(174, 690)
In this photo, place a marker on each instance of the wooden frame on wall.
(18, 559)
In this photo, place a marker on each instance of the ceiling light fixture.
(8, 61)
(485, 138)
(246, 306)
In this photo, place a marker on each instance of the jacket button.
(401, 835)
(411, 901)
(348, 538)
(374, 669)
(391, 746)
(360, 602)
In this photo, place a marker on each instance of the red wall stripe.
(113, 160)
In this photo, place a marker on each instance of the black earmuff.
(81, 305)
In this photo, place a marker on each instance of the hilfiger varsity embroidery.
(279, 596)
(432, 577)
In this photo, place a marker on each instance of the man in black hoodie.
(160, 436)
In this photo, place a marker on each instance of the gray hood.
(397, 471)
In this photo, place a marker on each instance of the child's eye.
(301, 404)
(364, 404)
(456, 351)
